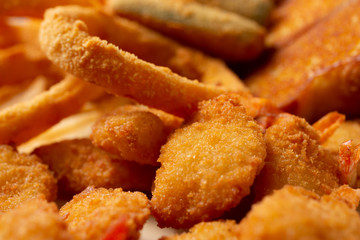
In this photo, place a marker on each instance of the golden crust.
(78, 164)
(208, 166)
(94, 212)
(23, 177)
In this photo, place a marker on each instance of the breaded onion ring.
(67, 42)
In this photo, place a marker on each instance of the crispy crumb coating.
(295, 157)
(35, 219)
(78, 164)
(23, 177)
(209, 231)
(207, 167)
(94, 212)
(133, 135)
(295, 213)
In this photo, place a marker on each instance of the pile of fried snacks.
(179, 119)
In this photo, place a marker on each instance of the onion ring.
(67, 42)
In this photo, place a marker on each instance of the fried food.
(99, 213)
(209, 231)
(322, 62)
(208, 166)
(218, 32)
(133, 133)
(294, 17)
(25, 120)
(349, 157)
(34, 220)
(295, 213)
(327, 125)
(295, 157)
(258, 10)
(78, 164)
(23, 177)
(67, 42)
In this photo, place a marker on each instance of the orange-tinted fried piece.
(295, 17)
(327, 125)
(321, 63)
(295, 157)
(209, 231)
(97, 214)
(208, 166)
(133, 135)
(294, 213)
(78, 164)
(23, 177)
(33, 220)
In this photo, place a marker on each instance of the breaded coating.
(23, 177)
(78, 164)
(208, 166)
(295, 157)
(220, 33)
(294, 213)
(133, 135)
(294, 17)
(67, 41)
(209, 231)
(96, 214)
(33, 220)
(322, 62)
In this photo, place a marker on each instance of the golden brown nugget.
(321, 63)
(209, 231)
(97, 214)
(78, 164)
(208, 166)
(23, 177)
(25, 120)
(218, 32)
(134, 133)
(295, 213)
(33, 220)
(67, 42)
(295, 17)
(295, 157)
(258, 10)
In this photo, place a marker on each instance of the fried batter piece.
(220, 33)
(209, 231)
(208, 166)
(101, 214)
(134, 133)
(23, 177)
(78, 164)
(322, 62)
(295, 157)
(294, 17)
(295, 213)
(33, 220)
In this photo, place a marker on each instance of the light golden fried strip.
(218, 32)
(258, 10)
(23, 177)
(321, 63)
(105, 214)
(37, 219)
(25, 120)
(78, 164)
(67, 42)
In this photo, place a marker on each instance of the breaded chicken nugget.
(208, 166)
(209, 231)
(99, 213)
(134, 136)
(23, 177)
(78, 164)
(295, 157)
(33, 220)
(295, 213)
